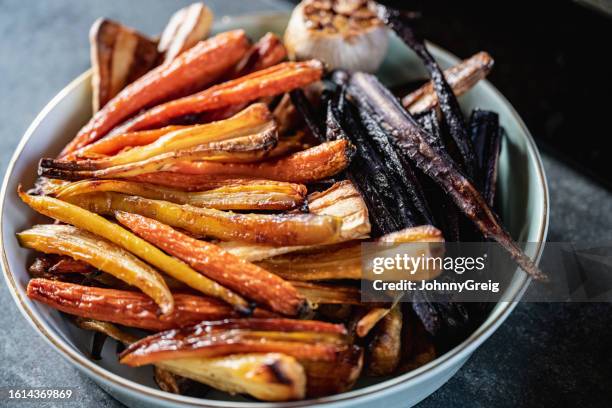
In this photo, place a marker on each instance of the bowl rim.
(498, 316)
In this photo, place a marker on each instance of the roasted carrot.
(193, 69)
(244, 277)
(267, 82)
(266, 52)
(316, 163)
(273, 229)
(102, 254)
(188, 182)
(128, 308)
(81, 218)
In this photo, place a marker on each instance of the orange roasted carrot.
(272, 81)
(266, 52)
(229, 270)
(114, 144)
(187, 182)
(316, 163)
(209, 339)
(193, 69)
(128, 308)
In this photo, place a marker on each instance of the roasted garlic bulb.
(342, 33)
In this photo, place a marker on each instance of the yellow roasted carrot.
(104, 255)
(86, 220)
(275, 229)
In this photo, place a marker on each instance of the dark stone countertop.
(543, 355)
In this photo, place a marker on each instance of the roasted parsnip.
(111, 145)
(321, 294)
(119, 56)
(240, 149)
(185, 28)
(245, 278)
(102, 254)
(258, 195)
(461, 77)
(81, 218)
(127, 308)
(267, 82)
(316, 163)
(212, 339)
(341, 201)
(193, 69)
(273, 229)
(188, 182)
(252, 120)
(369, 320)
(269, 377)
(383, 352)
(325, 378)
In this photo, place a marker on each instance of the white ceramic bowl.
(524, 207)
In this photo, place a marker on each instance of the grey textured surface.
(543, 355)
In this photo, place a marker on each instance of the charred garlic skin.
(345, 34)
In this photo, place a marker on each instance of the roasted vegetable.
(258, 195)
(417, 347)
(369, 320)
(461, 78)
(486, 136)
(304, 340)
(67, 264)
(374, 97)
(245, 278)
(102, 254)
(269, 377)
(338, 262)
(321, 294)
(343, 261)
(186, 27)
(265, 376)
(267, 82)
(341, 201)
(326, 378)
(119, 56)
(195, 68)
(251, 121)
(342, 33)
(306, 110)
(266, 52)
(72, 214)
(111, 145)
(383, 352)
(273, 229)
(316, 163)
(127, 308)
(449, 106)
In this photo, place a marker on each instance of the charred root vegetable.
(461, 78)
(486, 136)
(383, 352)
(304, 340)
(375, 98)
(447, 101)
